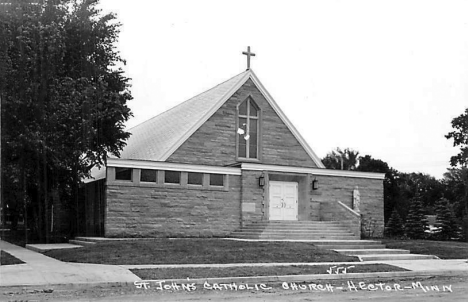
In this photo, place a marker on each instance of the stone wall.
(172, 210)
(253, 197)
(137, 209)
(214, 143)
(345, 217)
(334, 188)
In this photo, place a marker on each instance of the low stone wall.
(332, 211)
(334, 188)
(172, 211)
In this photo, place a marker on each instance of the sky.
(384, 78)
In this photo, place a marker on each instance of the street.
(425, 289)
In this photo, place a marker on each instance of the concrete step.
(283, 222)
(356, 252)
(81, 242)
(91, 239)
(43, 247)
(378, 257)
(350, 246)
(349, 242)
(308, 238)
(295, 228)
(289, 232)
(327, 237)
(323, 234)
(295, 233)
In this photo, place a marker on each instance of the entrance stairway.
(295, 230)
(370, 250)
(324, 234)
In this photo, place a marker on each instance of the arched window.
(248, 128)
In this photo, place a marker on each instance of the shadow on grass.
(7, 259)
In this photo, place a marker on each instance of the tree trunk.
(46, 197)
(465, 216)
(39, 203)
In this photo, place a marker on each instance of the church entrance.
(283, 200)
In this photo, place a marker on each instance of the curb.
(251, 280)
(62, 286)
(318, 277)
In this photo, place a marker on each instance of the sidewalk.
(42, 270)
(430, 265)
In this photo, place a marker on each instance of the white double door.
(283, 200)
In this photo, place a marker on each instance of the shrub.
(445, 222)
(416, 223)
(395, 227)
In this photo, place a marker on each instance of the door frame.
(270, 183)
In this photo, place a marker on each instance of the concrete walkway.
(42, 270)
(429, 265)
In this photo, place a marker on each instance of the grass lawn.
(441, 249)
(247, 271)
(197, 251)
(7, 259)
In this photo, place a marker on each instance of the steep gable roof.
(157, 138)
(160, 136)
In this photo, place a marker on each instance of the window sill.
(248, 160)
(168, 186)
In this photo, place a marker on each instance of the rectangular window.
(248, 129)
(242, 148)
(195, 178)
(123, 174)
(242, 131)
(217, 180)
(253, 151)
(148, 175)
(243, 108)
(253, 110)
(172, 177)
(253, 138)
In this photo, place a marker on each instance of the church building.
(218, 162)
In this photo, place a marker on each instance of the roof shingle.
(154, 139)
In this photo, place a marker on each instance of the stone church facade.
(220, 161)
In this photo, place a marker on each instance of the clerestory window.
(248, 128)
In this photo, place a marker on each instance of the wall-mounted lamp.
(261, 181)
(315, 184)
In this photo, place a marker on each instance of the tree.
(395, 225)
(369, 164)
(445, 221)
(339, 159)
(454, 188)
(425, 186)
(391, 191)
(460, 139)
(64, 100)
(416, 223)
(392, 196)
